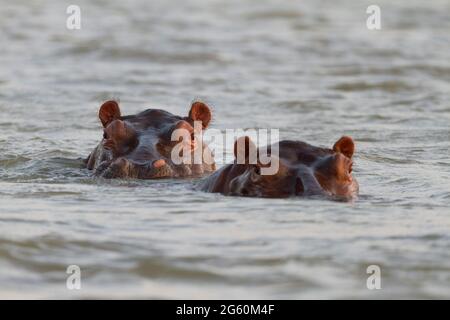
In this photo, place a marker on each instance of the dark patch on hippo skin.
(139, 146)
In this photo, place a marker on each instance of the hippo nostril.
(159, 163)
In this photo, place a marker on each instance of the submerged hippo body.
(303, 170)
(139, 146)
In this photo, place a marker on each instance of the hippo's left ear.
(245, 151)
(109, 111)
(200, 112)
(345, 145)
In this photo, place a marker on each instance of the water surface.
(309, 68)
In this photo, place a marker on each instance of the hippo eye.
(105, 135)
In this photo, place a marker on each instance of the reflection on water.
(309, 68)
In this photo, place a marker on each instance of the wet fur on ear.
(109, 111)
(245, 151)
(200, 112)
(345, 145)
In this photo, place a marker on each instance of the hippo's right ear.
(345, 145)
(245, 151)
(109, 111)
(200, 112)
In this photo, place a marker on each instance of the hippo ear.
(109, 111)
(200, 112)
(345, 145)
(245, 151)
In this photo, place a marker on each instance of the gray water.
(310, 68)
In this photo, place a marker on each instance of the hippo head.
(300, 169)
(141, 146)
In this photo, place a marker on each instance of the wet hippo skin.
(303, 170)
(139, 146)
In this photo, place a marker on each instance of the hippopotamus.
(302, 170)
(140, 146)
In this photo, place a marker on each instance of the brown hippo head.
(141, 146)
(300, 169)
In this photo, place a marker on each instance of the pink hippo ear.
(245, 151)
(345, 145)
(109, 111)
(200, 112)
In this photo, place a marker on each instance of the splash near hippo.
(141, 146)
(302, 170)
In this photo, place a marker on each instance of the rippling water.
(310, 68)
